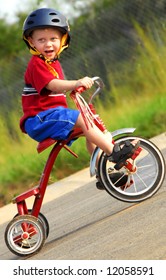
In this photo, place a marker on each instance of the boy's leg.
(95, 136)
(90, 146)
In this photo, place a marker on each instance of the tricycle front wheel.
(145, 179)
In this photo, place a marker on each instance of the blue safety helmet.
(46, 17)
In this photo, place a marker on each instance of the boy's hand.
(85, 82)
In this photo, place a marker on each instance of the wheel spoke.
(145, 178)
(25, 235)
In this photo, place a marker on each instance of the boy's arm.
(58, 85)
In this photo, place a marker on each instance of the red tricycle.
(27, 231)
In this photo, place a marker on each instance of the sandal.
(120, 155)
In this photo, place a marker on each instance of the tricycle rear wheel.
(25, 235)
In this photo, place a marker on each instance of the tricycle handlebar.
(97, 82)
(99, 85)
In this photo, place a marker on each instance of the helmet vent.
(30, 22)
(52, 14)
(33, 15)
(55, 20)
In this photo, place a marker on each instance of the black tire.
(148, 178)
(25, 235)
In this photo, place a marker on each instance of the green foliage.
(11, 39)
(21, 166)
(105, 37)
(121, 41)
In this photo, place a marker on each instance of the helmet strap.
(64, 44)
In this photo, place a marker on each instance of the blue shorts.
(56, 123)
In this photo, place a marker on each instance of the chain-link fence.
(99, 45)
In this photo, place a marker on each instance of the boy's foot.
(120, 155)
(117, 178)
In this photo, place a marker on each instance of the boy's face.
(47, 41)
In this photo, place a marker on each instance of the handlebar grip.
(80, 89)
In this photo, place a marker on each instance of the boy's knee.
(80, 121)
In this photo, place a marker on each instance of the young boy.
(45, 110)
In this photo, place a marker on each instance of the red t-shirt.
(35, 97)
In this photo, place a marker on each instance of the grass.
(138, 100)
(147, 114)
(21, 165)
